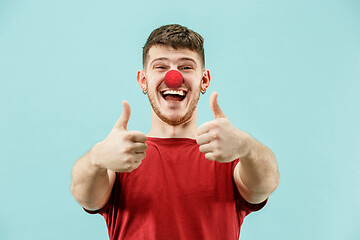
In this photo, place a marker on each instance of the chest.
(172, 178)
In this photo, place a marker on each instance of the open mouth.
(174, 95)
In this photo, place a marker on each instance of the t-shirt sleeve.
(240, 201)
(92, 211)
(101, 210)
(250, 207)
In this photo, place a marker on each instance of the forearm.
(91, 185)
(258, 171)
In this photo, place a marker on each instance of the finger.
(139, 157)
(206, 148)
(140, 147)
(204, 128)
(122, 122)
(137, 164)
(215, 108)
(203, 139)
(210, 156)
(137, 136)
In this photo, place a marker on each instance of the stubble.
(173, 121)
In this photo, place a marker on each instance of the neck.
(161, 129)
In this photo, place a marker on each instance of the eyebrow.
(187, 59)
(167, 59)
(158, 59)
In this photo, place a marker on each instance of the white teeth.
(175, 92)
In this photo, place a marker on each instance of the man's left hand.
(219, 139)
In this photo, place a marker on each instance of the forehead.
(171, 54)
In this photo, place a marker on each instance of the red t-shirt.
(176, 193)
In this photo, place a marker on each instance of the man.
(178, 181)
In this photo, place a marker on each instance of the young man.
(179, 181)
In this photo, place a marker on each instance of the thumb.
(215, 108)
(124, 118)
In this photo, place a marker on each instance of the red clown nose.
(173, 79)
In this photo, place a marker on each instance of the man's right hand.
(122, 150)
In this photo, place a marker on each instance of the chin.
(173, 115)
(175, 120)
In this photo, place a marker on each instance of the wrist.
(94, 159)
(247, 144)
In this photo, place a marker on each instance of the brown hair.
(176, 36)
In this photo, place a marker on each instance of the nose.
(173, 79)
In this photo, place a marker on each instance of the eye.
(160, 67)
(186, 68)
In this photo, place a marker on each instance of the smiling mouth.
(174, 95)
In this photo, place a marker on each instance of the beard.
(178, 120)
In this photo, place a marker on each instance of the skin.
(256, 175)
(162, 59)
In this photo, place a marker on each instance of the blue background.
(287, 72)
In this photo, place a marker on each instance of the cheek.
(193, 79)
(153, 83)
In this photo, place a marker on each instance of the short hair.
(177, 37)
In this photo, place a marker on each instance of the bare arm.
(91, 185)
(256, 175)
(93, 175)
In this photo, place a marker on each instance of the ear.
(141, 79)
(205, 81)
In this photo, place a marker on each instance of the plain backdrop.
(287, 72)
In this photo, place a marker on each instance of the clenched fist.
(219, 139)
(122, 150)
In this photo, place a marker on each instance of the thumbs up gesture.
(219, 139)
(122, 150)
